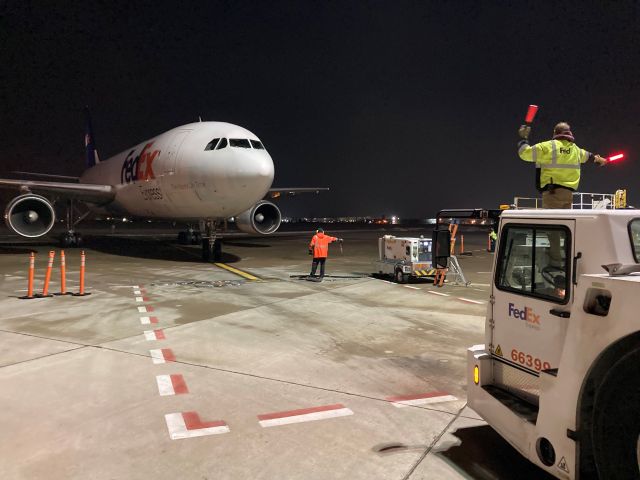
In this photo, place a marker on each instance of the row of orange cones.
(47, 277)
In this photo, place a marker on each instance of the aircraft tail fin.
(91, 157)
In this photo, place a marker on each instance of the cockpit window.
(222, 144)
(239, 142)
(257, 144)
(212, 144)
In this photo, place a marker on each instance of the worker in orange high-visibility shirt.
(319, 248)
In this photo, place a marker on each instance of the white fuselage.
(175, 176)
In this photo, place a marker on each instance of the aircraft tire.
(616, 431)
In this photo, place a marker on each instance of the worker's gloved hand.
(524, 131)
(600, 160)
(310, 252)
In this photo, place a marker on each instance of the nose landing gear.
(211, 245)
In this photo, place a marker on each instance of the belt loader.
(559, 373)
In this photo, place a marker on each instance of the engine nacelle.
(263, 218)
(30, 215)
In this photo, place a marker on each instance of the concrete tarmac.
(173, 368)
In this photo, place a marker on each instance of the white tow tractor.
(403, 258)
(559, 374)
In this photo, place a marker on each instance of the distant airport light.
(613, 158)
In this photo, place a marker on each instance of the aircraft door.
(173, 151)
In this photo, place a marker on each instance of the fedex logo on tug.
(525, 314)
(139, 167)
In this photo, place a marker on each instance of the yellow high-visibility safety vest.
(559, 161)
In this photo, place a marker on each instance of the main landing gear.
(71, 238)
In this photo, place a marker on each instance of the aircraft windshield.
(212, 144)
(239, 142)
(257, 144)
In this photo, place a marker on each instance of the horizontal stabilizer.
(278, 192)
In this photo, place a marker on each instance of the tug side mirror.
(441, 241)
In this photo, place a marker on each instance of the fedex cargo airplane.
(201, 173)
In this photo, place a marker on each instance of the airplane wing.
(278, 192)
(87, 192)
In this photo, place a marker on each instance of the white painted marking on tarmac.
(156, 356)
(468, 300)
(171, 385)
(137, 292)
(387, 281)
(178, 428)
(162, 355)
(484, 272)
(438, 293)
(480, 284)
(409, 286)
(139, 299)
(142, 309)
(297, 417)
(152, 335)
(422, 399)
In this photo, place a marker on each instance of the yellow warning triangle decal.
(563, 465)
(498, 351)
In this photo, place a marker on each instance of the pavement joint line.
(271, 379)
(239, 272)
(433, 444)
(80, 347)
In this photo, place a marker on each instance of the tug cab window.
(257, 144)
(212, 144)
(239, 143)
(634, 234)
(222, 144)
(534, 261)
(425, 251)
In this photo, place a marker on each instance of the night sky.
(399, 107)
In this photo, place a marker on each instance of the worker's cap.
(319, 230)
(562, 127)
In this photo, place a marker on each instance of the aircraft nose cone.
(255, 170)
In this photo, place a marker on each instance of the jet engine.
(263, 218)
(30, 215)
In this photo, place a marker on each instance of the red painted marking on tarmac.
(193, 422)
(159, 334)
(168, 355)
(145, 299)
(179, 385)
(153, 319)
(302, 411)
(402, 398)
(149, 308)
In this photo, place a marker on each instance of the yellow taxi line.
(246, 275)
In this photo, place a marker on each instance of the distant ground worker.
(319, 248)
(557, 164)
(493, 236)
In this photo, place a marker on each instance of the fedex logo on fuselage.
(525, 314)
(139, 167)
